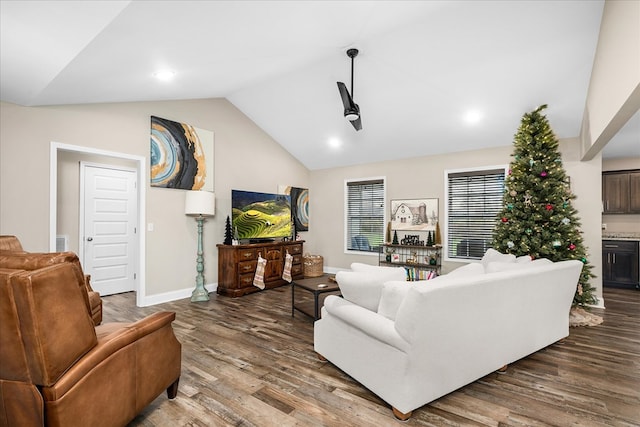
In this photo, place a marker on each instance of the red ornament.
(504, 219)
(572, 246)
(549, 206)
(543, 174)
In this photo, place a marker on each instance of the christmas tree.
(227, 232)
(537, 217)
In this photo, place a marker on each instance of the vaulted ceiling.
(424, 67)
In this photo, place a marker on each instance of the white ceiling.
(422, 66)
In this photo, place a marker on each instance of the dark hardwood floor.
(247, 362)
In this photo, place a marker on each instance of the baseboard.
(173, 295)
(600, 303)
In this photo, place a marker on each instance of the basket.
(312, 265)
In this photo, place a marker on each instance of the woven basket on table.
(312, 265)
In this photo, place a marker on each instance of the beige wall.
(423, 177)
(170, 254)
(245, 158)
(614, 88)
(621, 223)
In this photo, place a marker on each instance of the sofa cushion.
(364, 287)
(494, 256)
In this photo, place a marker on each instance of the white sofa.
(429, 338)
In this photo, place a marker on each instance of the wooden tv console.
(237, 266)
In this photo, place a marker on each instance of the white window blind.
(365, 215)
(474, 199)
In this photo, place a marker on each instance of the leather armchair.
(58, 369)
(12, 256)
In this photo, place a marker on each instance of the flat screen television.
(260, 216)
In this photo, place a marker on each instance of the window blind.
(474, 199)
(365, 215)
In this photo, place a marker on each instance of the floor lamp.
(199, 204)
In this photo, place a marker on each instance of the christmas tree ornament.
(548, 206)
(572, 247)
(556, 243)
(543, 174)
(504, 219)
(566, 221)
(527, 200)
(513, 193)
(510, 244)
(510, 206)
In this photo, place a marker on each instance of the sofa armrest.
(367, 321)
(120, 337)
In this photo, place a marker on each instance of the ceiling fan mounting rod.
(352, 53)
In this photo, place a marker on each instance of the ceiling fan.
(351, 109)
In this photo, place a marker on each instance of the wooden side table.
(314, 286)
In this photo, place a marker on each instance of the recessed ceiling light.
(164, 75)
(472, 117)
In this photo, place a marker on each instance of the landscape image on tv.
(260, 215)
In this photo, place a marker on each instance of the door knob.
(89, 239)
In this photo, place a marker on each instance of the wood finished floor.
(247, 362)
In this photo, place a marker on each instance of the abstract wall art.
(299, 205)
(181, 156)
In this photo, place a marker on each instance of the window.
(364, 210)
(473, 201)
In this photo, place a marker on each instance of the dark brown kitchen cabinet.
(620, 264)
(621, 192)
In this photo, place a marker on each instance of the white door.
(108, 227)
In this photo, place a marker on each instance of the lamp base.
(199, 294)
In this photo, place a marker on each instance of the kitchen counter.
(621, 236)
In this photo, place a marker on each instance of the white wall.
(245, 158)
(614, 88)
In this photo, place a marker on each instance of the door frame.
(141, 168)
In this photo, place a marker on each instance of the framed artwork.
(414, 214)
(299, 205)
(181, 156)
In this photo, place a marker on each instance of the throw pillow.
(471, 269)
(494, 256)
(365, 287)
(393, 294)
(494, 267)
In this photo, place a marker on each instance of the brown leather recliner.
(13, 256)
(58, 369)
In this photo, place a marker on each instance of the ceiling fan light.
(351, 116)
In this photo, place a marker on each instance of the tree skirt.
(578, 316)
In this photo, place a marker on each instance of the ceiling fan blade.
(357, 123)
(346, 98)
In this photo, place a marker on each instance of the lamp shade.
(200, 203)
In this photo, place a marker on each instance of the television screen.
(260, 215)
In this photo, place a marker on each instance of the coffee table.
(312, 285)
